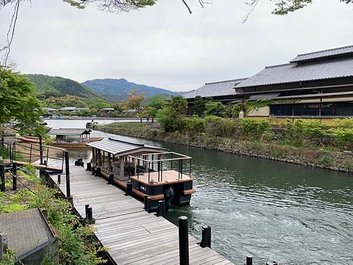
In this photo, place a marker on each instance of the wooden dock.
(131, 235)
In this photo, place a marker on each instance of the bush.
(216, 126)
(194, 125)
(343, 137)
(254, 129)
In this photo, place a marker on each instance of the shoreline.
(308, 157)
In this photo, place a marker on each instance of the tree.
(171, 116)
(199, 106)
(19, 104)
(134, 102)
(154, 104)
(214, 109)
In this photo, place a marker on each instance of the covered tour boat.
(152, 171)
(72, 138)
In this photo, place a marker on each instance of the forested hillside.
(57, 92)
(119, 89)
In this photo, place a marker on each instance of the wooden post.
(86, 210)
(30, 154)
(206, 237)
(128, 188)
(111, 179)
(14, 151)
(3, 245)
(90, 219)
(161, 208)
(67, 172)
(183, 240)
(47, 157)
(145, 201)
(248, 260)
(122, 168)
(14, 176)
(41, 150)
(89, 167)
(2, 177)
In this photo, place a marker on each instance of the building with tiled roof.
(222, 91)
(316, 84)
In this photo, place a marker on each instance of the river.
(273, 211)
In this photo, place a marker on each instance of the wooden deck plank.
(131, 235)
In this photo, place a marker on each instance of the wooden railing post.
(183, 240)
(2, 177)
(14, 176)
(67, 172)
(41, 150)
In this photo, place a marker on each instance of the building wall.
(260, 112)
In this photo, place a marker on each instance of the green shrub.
(194, 125)
(221, 127)
(343, 137)
(254, 129)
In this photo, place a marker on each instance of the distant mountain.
(118, 89)
(55, 86)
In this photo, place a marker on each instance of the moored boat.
(72, 138)
(152, 172)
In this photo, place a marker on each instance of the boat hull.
(81, 145)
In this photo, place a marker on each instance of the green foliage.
(213, 108)
(194, 125)
(343, 137)
(216, 126)
(18, 101)
(171, 116)
(9, 258)
(254, 129)
(302, 132)
(199, 106)
(153, 105)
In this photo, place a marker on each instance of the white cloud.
(165, 46)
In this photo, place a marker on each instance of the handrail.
(33, 152)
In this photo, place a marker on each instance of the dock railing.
(43, 156)
(161, 162)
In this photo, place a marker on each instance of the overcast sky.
(164, 45)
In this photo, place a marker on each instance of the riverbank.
(307, 156)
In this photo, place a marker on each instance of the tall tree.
(18, 102)
(171, 116)
(154, 104)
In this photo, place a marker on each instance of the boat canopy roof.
(69, 131)
(119, 147)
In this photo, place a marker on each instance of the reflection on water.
(273, 211)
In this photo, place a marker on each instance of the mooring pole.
(206, 237)
(14, 176)
(67, 172)
(41, 150)
(183, 240)
(161, 208)
(248, 260)
(2, 177)
(128, 188)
